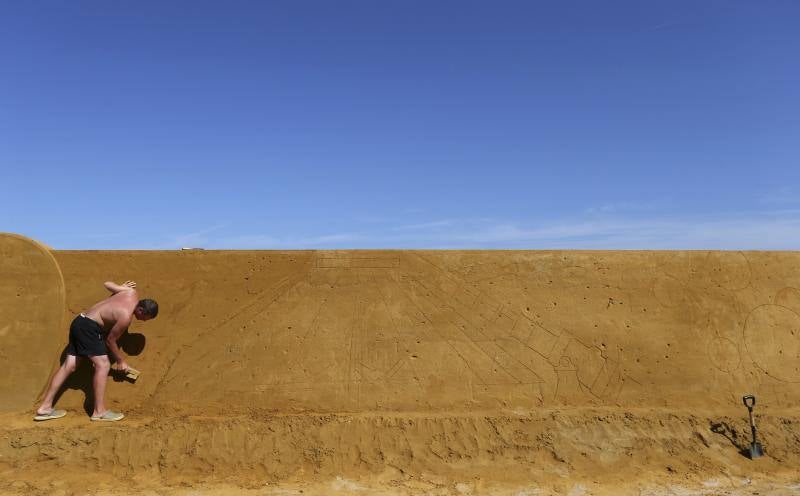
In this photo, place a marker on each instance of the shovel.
(756, 450)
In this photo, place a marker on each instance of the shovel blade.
(756, 451)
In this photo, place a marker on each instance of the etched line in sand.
(772, 337)
(350, 262)
(597, 374)
(724, 354)
(729, 270)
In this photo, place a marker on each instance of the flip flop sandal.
(109, 416)
(52, 414)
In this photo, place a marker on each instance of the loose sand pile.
(410, 372)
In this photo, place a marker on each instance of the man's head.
(146, 309)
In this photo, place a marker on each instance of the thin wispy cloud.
(619, 207)
(768, 231)
(773, 230)
(291, 242)
(424, 225)
(107, 235)
(193, 239)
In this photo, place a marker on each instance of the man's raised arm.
(116, 288)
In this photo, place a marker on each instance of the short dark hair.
(148, 306)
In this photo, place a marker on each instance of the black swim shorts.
(86, 338)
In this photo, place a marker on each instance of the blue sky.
(401, 124)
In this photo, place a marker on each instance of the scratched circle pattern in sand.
(772, 337)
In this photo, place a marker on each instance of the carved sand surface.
(410, 372)
(31, 303)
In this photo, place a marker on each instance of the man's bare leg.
(68, 367)
(102, 365)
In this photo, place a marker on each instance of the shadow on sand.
(132, 344)
(723, 429)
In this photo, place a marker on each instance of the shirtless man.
(113, 316)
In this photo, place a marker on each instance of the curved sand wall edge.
(31, 318)
(448, 331)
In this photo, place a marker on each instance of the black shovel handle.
(750, 402)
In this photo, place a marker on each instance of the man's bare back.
(117, 307)
(114, 315)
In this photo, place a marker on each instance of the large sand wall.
(420, 331)
(434, 372)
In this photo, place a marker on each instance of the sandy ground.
(410, 372)
(575, 451)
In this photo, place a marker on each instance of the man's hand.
(117, 288)
(123, 366)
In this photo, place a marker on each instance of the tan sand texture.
(31, 319)
(409, 372)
